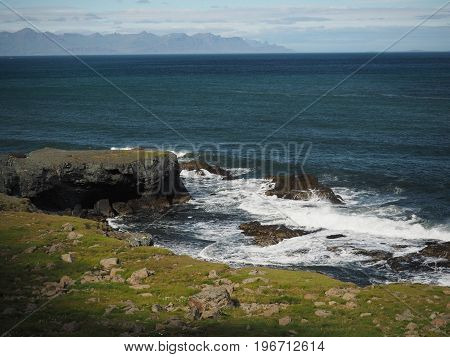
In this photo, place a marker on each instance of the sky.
(301, 25)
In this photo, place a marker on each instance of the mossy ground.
(99, 309)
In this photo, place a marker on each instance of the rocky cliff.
(94, 182)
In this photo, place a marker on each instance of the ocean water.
(381, 140)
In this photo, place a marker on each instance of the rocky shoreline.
(100, 184)
(97, 283)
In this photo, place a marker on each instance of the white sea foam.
(368, 220)
(121, 148)
(180, 153)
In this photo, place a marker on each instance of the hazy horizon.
(322, 27)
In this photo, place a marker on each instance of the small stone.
(212, 274)
(365, 314)
(284, 321)
(322, 313)
(67, 227)
(332, 303)
(404, 316)
(257, 272)
(271, 309)
(65, 281)
(109, 263)
(115, 271)
(348, 296)
(254, 280)
(157, 308)
(30, 250)
(138, 275)
(411, 326)
(319, 303)
(438, 322)
(68, 258)
(74, 235)
(304, 321)
(351, 305)
(146, 294)
(139, 286)
(310, 296)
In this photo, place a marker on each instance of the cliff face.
(93, 180)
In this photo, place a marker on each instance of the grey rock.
(61, 180)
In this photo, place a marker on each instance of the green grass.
(176, 278)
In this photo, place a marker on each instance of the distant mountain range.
(27, 42)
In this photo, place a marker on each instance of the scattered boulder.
(156, 308)
(322, 313)
(349, 293)
(254, 280)
(208, 303)
(135, 239)
(74, 235)
(212, 274)
(284, 321)
(109, 263)
(302, 187)
(30, 250)
(309, 296)
(103, 208)
(265, 235)
(138, 275)
(257, 272)
(65, 281)
(67, 227)
(122, 208)
(68, 257)
(405, 316)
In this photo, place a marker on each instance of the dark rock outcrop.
(198, 166)
(302, 187)
(265, 235)
(434, 255)
(91, 182)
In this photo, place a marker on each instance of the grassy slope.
(81, 310)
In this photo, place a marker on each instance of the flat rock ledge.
(301, 187)
(265, 235)
(94, 183)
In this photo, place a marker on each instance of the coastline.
(88, 299)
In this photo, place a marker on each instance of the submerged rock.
(88, 182)
(265, 235)
(302, 187)
(434, 255)
(336, 236)
(198, 166)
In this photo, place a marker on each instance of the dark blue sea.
(381, 140)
